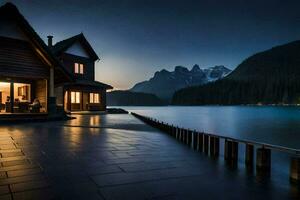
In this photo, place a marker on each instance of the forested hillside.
(269, 77)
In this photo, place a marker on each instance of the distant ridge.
(164, 83)
(128, 98)
(268, 77)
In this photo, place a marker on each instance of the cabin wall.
(84, 99)
(103, 99)
(41, 91)
(18, 59)
(89, 66)
(59, 93)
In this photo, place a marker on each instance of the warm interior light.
(75, 97)
(94, 98)
(4, 84)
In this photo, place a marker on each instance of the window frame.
(93, 97)
(79, 68)
(76, 97)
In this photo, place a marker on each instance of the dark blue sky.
(135, 38)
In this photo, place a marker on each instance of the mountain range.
(268, 77)
(165, 83)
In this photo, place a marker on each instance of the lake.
(278, 125)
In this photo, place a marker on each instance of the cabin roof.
(91, 83)
(63, 45)
(11, 11)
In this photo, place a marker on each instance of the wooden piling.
(295, 170)
(249, 157)
(181, 135)
(195, 140)
(231, 150)
(189, 136)
(185, 136)
(214, 146)
(200, 141)
(174, 131)
(263, 159)
(206, 144)
(177, 133)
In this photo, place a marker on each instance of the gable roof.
(11, 11)
(63, 45)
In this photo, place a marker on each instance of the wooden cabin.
(36, 78)
(78, 58)
(27, 66)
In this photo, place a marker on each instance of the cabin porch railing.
(210, 145)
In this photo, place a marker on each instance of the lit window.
(94, 98)
(81, 68)
(75, 97)
(78, 68)
(91, 97)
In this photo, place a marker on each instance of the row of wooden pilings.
(210, 145)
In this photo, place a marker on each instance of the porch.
(21, 96)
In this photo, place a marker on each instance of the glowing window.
(94, 98)
(81, 68)
(75, 97)
(78, 68)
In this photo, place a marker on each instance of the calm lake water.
(274, 125)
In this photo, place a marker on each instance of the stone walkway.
(117, 157)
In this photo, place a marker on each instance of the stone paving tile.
(143, 166)
(21, 179)
(97, 170)
(20, 187)
(125, 178)
(11, 154)
(24, 172)
(13, 158)
(7, 147)
(44, 194)
(14, 162)
(122, 160)
(10, 151)
(78, 190)
(18, 167)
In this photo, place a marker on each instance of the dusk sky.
(135, 38)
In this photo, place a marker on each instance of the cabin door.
(76, 101)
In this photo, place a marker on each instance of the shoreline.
(225, 105)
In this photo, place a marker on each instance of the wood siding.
(89, 66)
(59, 93)
(18, 59)
(41, 92)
